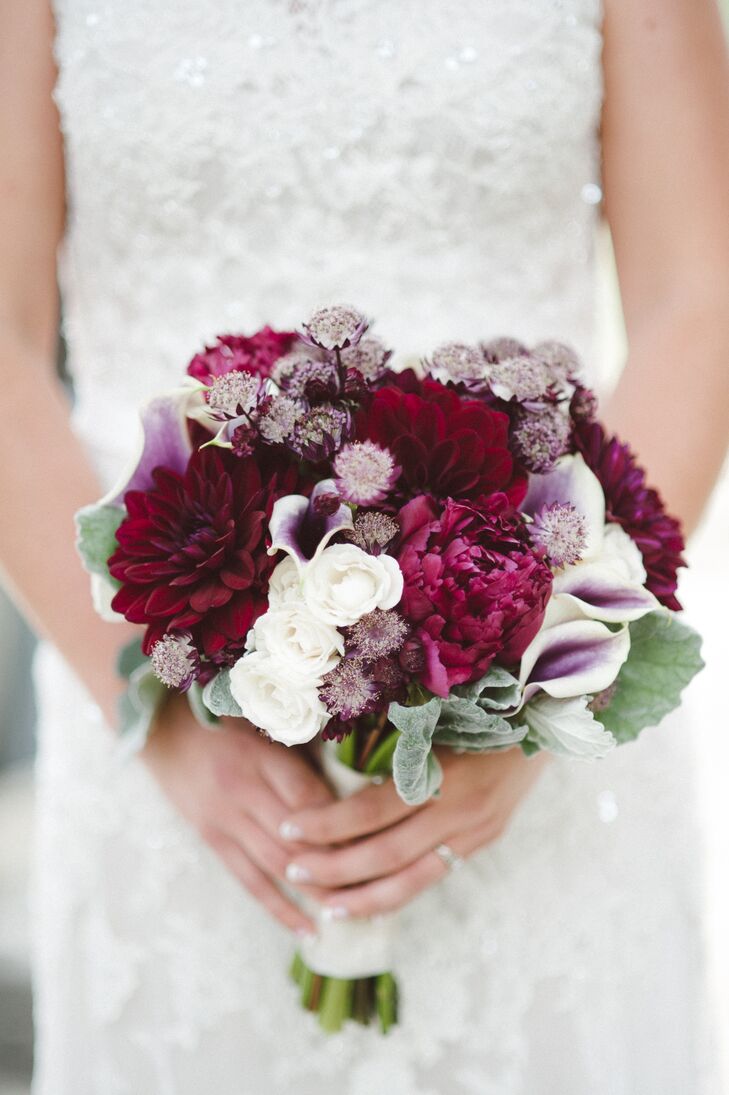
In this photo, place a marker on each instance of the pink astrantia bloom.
(365, 472)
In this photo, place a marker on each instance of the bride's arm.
(44, 475)
(234, 788)
(666, 177)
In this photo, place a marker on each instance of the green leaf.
(204, 717)
(664, 657)
(96, 541)
(347, 750)
(130, 657)
(218, 698)
(529, 747)
(138, 707)
(497, 691)
(465, 725)
(416, 772)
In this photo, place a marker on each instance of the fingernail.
(296, 873)
(334, 912)
(289, 830)
(306, 935)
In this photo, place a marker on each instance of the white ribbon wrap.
(348, 948)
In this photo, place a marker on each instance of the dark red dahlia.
(192, 551)
(255, 354)
(475, 589)
(446, 445)
(637, 507)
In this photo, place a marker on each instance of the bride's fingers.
(267, 852)
(375, 856)
(293, 779)
(392, 892)
(259, 885)
(374, 808)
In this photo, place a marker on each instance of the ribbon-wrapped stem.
(343, 972)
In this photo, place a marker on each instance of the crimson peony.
(475, 590)
(445, 445)
(192, 553)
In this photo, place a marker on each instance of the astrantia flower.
(311, 379)
(349, 690)
(497, 349)
(369, 357)
(335, 327)
(638, 508)
(457, 362)
(232, 394)
(365, 472)
(192, 552)
(522, 378)
(561, 359)
(540, 437)
(255, 354)
(377, 634)
(320, 432)
(373, 532)
(278, 420)
(561, 531)
(444, 444)
(475, 590)
(175, 660)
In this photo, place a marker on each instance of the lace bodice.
(236, 162)
(231, 164)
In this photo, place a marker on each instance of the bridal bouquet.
(388, 562)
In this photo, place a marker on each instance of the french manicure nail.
(296, 873)
(289, 830)
(334, 912)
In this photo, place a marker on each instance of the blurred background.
(705, 594)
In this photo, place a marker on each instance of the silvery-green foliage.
(218, 698)
(416, 772)
(665, 654)
(96, 527)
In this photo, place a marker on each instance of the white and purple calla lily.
(572, 655)
(163, 440)
(298, 529)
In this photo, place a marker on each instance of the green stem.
(386, 994)
(335, 1004)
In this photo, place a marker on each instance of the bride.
(219, 166)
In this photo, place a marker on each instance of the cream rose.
(284, 584)
(302, 642)
(344, 583)
(289, 712)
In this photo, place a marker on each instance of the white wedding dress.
(237, 162)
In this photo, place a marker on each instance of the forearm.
(44, 478)
(672, 401)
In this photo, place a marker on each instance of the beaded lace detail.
(234, 163)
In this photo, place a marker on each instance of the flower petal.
(573, 658)
(299, 531)
(163, 441)
(570, 480)
(603, 593)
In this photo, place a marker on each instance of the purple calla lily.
(571, 482)
(574, 657)
(164, 441)
(603, 593)
(298, 529)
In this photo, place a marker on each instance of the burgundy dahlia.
(256, 353)
(192, 551)
(444, 444)
(475, 590)
(635, 506)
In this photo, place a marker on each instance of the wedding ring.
(446, 855)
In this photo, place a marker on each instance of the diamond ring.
(447, 856)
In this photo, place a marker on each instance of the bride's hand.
(389, 856)
(236, 789)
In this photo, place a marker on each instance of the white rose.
(298, 639)
(284, 583)
(289, 712)
(345, 583)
